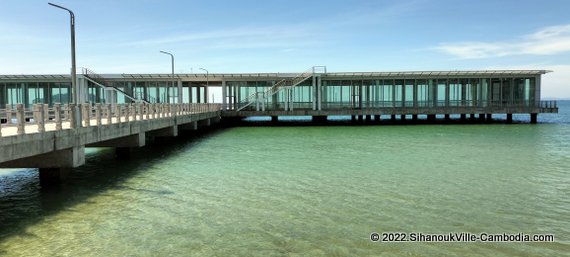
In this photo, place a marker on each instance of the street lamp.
(168, 91)
(207, 83)
(74, 91)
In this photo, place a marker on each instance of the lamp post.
(207, 83)
(74, 88)
(172, 59)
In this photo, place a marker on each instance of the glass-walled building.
(288, 91)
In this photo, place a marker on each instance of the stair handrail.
(100, 81)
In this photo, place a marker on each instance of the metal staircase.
(258, 98)
(98, 80)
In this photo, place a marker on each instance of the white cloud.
(547, 41)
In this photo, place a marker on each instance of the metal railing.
(472, 104)
(98, 80)
(42, 118)
(284, 83)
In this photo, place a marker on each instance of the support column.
(179, 90)
(377, 118)
(533, 118)
(509, 118)
(489, 117)
(463, 117)
(368, 118)
(414, 117)
(319, 93)
(53, 176)
(403, 117)
(274, 119)
(315, 94)
(123, 153)
(481, 117)
(447, 117)
(393, 118)
(319, 119)
(224, 96)
(431, 117)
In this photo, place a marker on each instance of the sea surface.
(304, 191)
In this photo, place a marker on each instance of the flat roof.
(287, 75)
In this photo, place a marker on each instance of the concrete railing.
(67, 116)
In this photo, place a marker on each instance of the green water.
(303, 191)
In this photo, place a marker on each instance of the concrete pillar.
(98, 113)
(489, 117)
(274, 119)
(481, 117)
(353, 118)
(509, 118)
(109, 113)
(377, 117)
(320, 119)
(393, 118)
(40, 118)
(463, 117)
(53, 176)
(315, 94)
(224, 96)
(414, 117)
(20, 119)
(360, 118)
(179, 87)
(368, 118)
(57, 115)
(533, 118)
(403, 117)
(123, 153)
(73, 116)
(319, 93)
(447, 117)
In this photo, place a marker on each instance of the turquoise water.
(304, 191)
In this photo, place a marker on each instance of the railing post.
(118, 112)
(98, 113)
(87, 119)
(72, 116)
(66, 112)
(46, 112)
(135, 108)
(20, 119)
(8, 114)
(141, 111)
(109, 113)
(41, 118)
(57, 115)
(127, 112)
(34, 108)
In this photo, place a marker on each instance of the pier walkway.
(54, 139)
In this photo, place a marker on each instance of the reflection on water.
(302, 191)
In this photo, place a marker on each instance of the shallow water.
(304, 191)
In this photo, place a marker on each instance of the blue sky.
(290, 36)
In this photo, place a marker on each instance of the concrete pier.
(56, 147)
(533, 118)
(510, 118)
